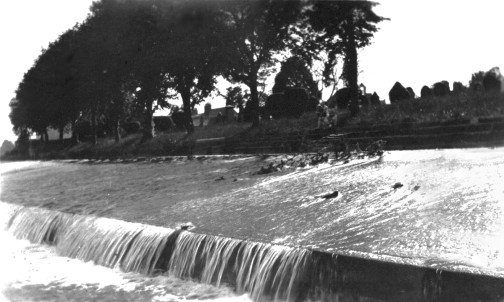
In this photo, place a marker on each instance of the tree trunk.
(240, 113)
(42, 136)
(148, 129)
(75, 134)
(93, 127)
(117, 131)
(61, 133)
(254, 100)
(352, 68)
(46, 136)
(186, 100)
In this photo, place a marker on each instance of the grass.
(468, 106)
(282, 126)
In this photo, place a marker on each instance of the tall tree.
(341, 27)
(294, 72)
(46, 96)
(104, 59)
(144, 38)
(64, 103)
(29, 107)
(188, 49)
(256, 31)
(96, 59)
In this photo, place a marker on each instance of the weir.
(268, 272)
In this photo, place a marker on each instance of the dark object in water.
(329, 195)
(268, 169)
(220, 178)
(416, 188)
(376, 148)
(186, 226)
(397, 185)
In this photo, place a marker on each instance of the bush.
(131, 127)
(293, 102)
(178, 119)
(296, 102)
(163, 123)
(275, 105)
(467, 105)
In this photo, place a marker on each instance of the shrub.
(275, 105)
(296, 102)
(163, 123)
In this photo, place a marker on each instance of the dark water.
(448, 214)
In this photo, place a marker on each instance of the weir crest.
(268, 272)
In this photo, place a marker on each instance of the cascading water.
(264, 270)
(435, 238)
(108, 242)
(267, 272)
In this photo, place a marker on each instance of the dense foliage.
(340, 27)
(130, 57)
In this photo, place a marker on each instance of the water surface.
(449, 212)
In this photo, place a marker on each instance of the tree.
(125, 75)
(19, 115)
(63, 74)
(236, 98)
(103, 65)
(256, 31)
(192, 50)
(340, 28)
(7, 146)
(295, 73)
(46, 95)
(492, 81)
(143, 39)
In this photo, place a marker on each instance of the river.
(440, 209)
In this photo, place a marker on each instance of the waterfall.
(36, 225)
(268, 272)
(258, 268)
(113, 243)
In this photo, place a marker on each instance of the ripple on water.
(451, 202)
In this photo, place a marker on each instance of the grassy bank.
(170, 143)
(465, 120)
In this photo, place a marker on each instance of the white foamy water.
(32, 272)
(16, 165)
(445, 213)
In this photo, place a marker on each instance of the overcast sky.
(424, 42)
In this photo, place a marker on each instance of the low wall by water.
(461, 133)
(266, 271)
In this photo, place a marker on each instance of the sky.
(424, 42)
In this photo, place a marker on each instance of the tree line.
(130, 57)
